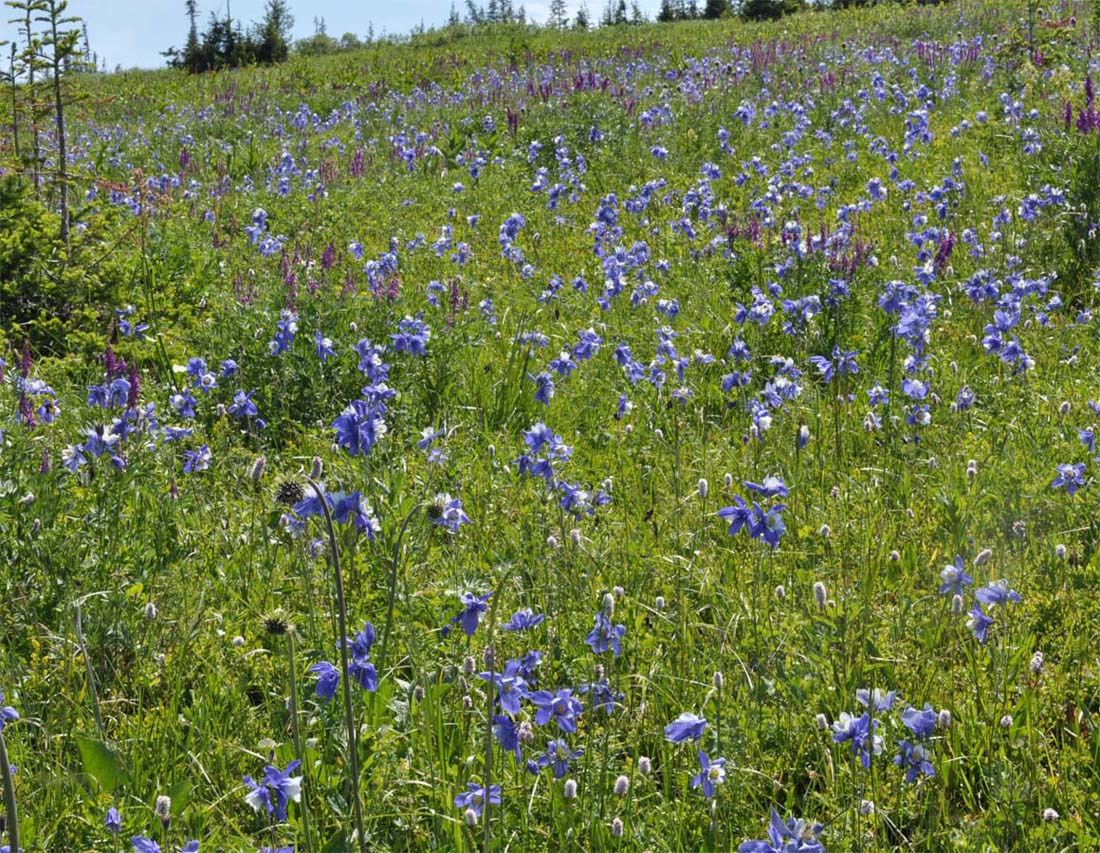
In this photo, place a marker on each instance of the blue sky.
(132, 33)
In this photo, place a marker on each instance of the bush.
(47, 299)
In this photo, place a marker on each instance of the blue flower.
(523, 620)
(470, 616)
(8, 714)
(475, 797)
(242, 405)
(979, 623)
(323, 346)
(113, 822)
(354, 508)
(196, 460)
(913, 757)
(794, 836)
(711, 774)
(605, 635)
(360, 426)
(1070, 477)
(556, 757)
(276, 790)
(879, 700)
(328, 679)
(773, 486)
(685, 727)
(511, 686)
(506, 733)
(739, 515)
(920, 723)
(561, 707)
(997, 592)
(860, 732)
(446, 511)
(412, 336)
(954, 578)
(544, 390)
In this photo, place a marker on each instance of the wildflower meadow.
(668, 437)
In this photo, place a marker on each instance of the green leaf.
(102, 763)
(180, 794)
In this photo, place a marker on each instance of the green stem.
(345, 680)
(91, 678)
(10, 812)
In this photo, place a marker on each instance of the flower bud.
(781, 592)
(660, 433)
(1006, 721)
(719, 680)
(1037, 662)
(1050, 815)
(644, 765)
(956, 604)
(552, 541)
(256, 473)
(575, 536)
(728, 480)
(983, 556)
(617, 828)
(822, 722)
(163, 810)
(820, 594)
(894, 556)
(471, 817)
(659, 602)
(316, 469)
(1060, 551)
(943, 718)
(150, 611)
(703, 489)
(569, 790)
(867, 808)
(622, 785)
(825, 531)
(1064, 408)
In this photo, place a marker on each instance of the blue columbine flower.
(511, 686)
(506, 733)
(878, 700)
(360, 426)
(446, 511)
(859, 731)
(323, 346)
(712, 773)
(275, 790)
(772, 487)
(113, 821)
(561, 707)
(196, 460)
(242, 405)
(328, 679)
(913, 757)
(921, 723)
(8, 714)
(954, 578)
(544, 390)
(739, 515)
(997, 592)
(354, 508)
(412, 336)
(794, 836)
(979, 623)
(556, 757)
(1070, 477)
(475, 797)
(523, 620)
(473, 607)
(685, 727)
(605, 635)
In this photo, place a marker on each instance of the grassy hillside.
(758, 360)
